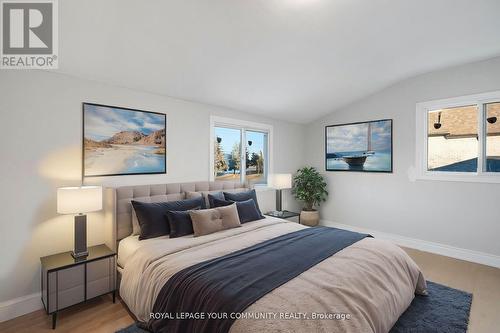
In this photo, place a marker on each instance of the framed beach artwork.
(363, 146)
(119, 141)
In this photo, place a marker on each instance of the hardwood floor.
(482, 281)
(97, 316)
(102, 316)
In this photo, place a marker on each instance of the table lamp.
(79, 200)
(280, 181)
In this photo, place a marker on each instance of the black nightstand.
(67, 281)
(283, 215)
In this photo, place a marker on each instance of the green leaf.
(309, 187)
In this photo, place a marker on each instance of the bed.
(363, 287)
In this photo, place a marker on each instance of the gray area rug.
(444, 310)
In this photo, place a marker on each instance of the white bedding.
(130, 244)
(372, 280)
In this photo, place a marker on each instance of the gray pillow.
(136, 228)
(191, 195)
(151, 215)
(247, 211)
(180, 223)
(214, 196)
(206, 193)
(243, 196)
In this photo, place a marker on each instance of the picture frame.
(365, 146)
(121, 141)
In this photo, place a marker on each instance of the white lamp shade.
(281, 180)
(76, 200)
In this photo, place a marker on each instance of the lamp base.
(279, 200)
(80, 250)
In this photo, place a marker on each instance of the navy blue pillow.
(247, 210)
(151, 215)
(243, 196)
(212, 196)
(180, 223)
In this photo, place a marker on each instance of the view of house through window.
(493, 137)
(452, 138)
(228, 152)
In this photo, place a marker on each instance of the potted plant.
(309, 187)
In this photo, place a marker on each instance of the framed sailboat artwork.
(363, 146)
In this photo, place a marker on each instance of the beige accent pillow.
(191, 195)
(208, 221)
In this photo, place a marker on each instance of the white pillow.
(136, 228)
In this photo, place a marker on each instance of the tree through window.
(241, 153)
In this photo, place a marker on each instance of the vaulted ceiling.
(286, 59)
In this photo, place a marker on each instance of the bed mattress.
(372, 282)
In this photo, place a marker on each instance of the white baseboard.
(20, 306)
(419, 244)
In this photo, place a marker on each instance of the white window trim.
(421, 139)
(216, 121)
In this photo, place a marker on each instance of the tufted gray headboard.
(118, 207)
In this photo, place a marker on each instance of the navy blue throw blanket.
(231, 283)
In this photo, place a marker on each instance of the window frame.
(243, 126)
(421, 159)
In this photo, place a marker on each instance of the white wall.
(40, 121)
(463, 215)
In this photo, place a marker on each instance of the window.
(493, 137)
(231, 160)
(256, 151)
(227, 158)
(452, 138)
(459, 138)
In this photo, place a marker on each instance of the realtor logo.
(29, 34)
